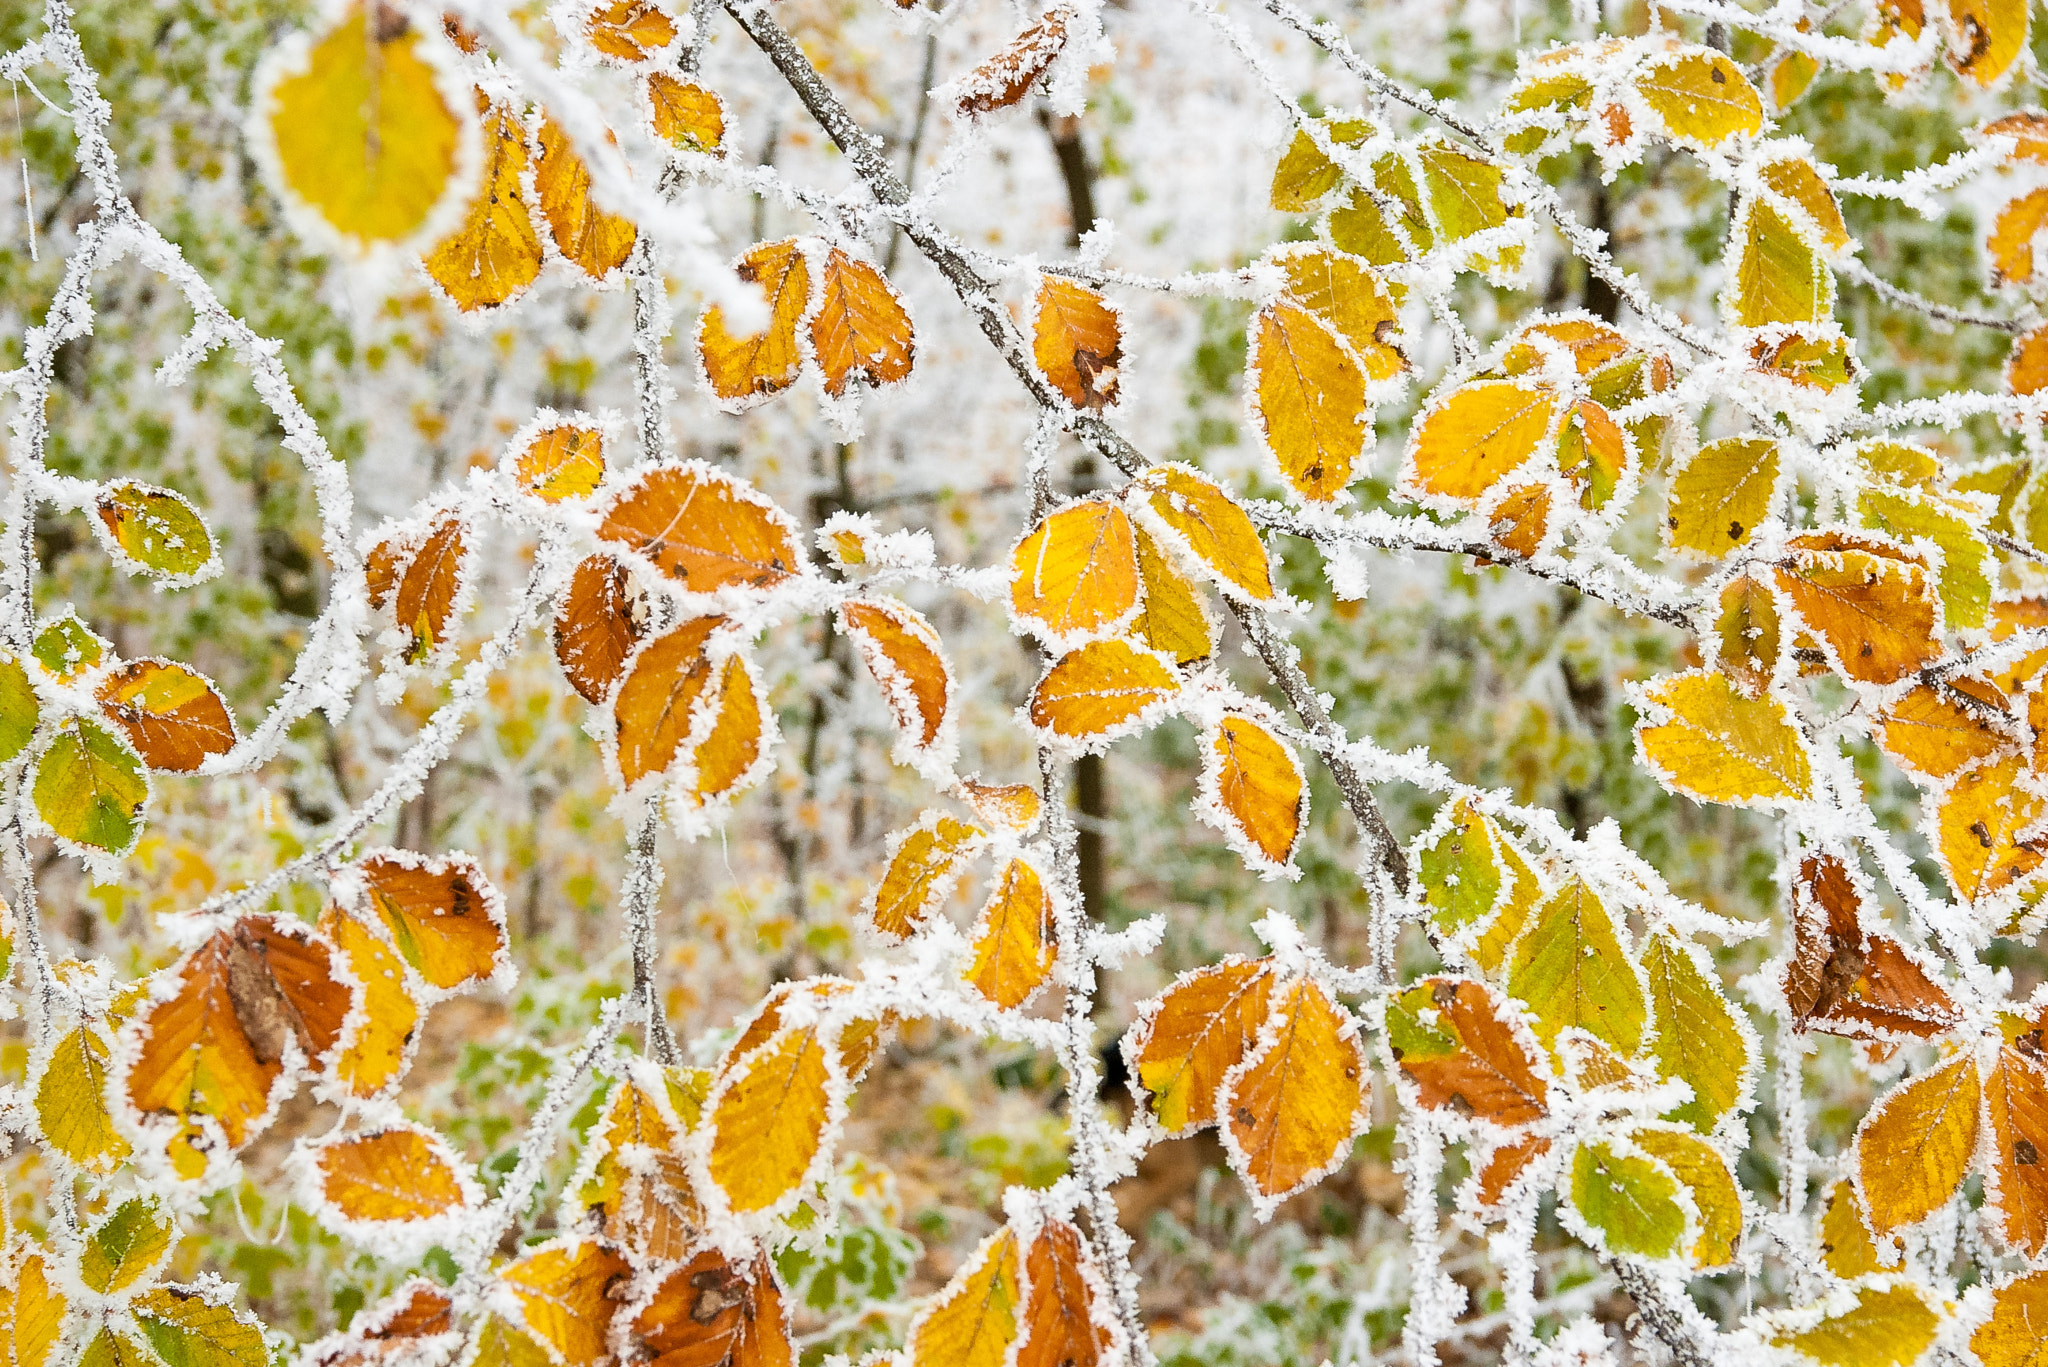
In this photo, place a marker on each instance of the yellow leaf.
(591, 239)
(1700, 97)
(1845, 1242)
(398, 1174)
(1253, 790)
(567, 1293)
(1014, 947)
(924, 863)
(1706, 739)
(2011, 243)
(1914, 1148)
(380, 1051)
(561, 460)
(1475, 436)
(1352, 301)
(495, 255)
(902, 652)
(1700, 1168)
(1987, 36)
(1212, 525)
(1074, 577)
(365, 127)
(629, 31)
(974, 1320)
(2018, 1326)
(1937, 731)
(1291, 1108)
(1571, 969)
(686, 114)
(748, 368)
(1102, 691)
(1777, 275)
(1309, 400)
(1172, 620)
(768, 1119)
(71, 1102)
(1799, 181)
(1983, 826)
(37, 1315)
(1721, 496)
(1889, 1326)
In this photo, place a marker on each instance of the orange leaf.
(2016, 1100)
(1003, 79)
(1059, 1323)
(703, 528)
(1253, 790)
(427, 591)
(1074, 577)
(1521, 520)
(1211, 525)
(443, 915)
(567, 1294)
(399, 1174)
(637, 1193)
(1295, 1102)
(172, 715)
(1981, 829)
(1988, 35)
(903, 653)
(707, 1313)
(726, 759)
(1938, 730)
(924, 863)
(2018, 1326)
(1013, 940)
(392, 1331)
(1873, 604)
(1505, 1166)
(214, 1051)
(592, 240)
(630, 31)
(495, 255)
(1468, 1058)
(657, 703)
(1846, 981)
(1309, 399)
(1914, 1148)
(561, 460)
(1077, 342)
(861, 330)
(1101, 691)
(746, 369)
(1014, 805)
(2026, 370)
(1187, 1039)
(2011, 243)
(600, 619)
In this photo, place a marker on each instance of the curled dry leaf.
(903, 653)
(707, 1311)
(1005, 78)
(1849, 981)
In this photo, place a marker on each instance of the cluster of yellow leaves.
(1265, 1054)
(1614, 94)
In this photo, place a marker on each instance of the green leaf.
(1461, 876)
(1703, 1172)
(125, 1246)
(1697, 1040)
(90, 787)
(1632, 1201)
(187, 1330)
(67, 647)
(1964, 585)
(1304, 174)
(155, 530)
(19, 709)
(1570, 969)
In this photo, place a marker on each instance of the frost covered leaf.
(600, 620)
(1074, 577)
(2016, 1104)
(973, 1323)
(19, 707)
(655, 709)
(561, 460)
(1746, 634)
(1987, 36)
(768, 1117)
(1060, 1327)
(1352, 302)
(567, 1293)
(1706, 739)
(399, 1174)
(1212, 525)
(186, 1328)
(1700, 97)
(1008, 76)
(126, 1246)
(708, 1311)
(1887, 1326)
(1776, 274)
(1013, 948)
(924, 863)
(1823, 363)
(71, 1101)
(1984, 828)
(1187, 1039)
(1310, 400)
(904, 654)
(430, 588)
(1845, 1242)
(629, 31)
(637, 1192)
(1253, 790)
(1630, 1199)
(495, 255)
(1704, 1174)
(2018, 1325)
(1872, 603)
(67, 647)
(35, 1312)
(1013, 806)
(1797, 179)
(364, 127)
(380, 1050)
(589, 238)
(172, 715)
(1475, 436)
(1101, 691)
(1571, 969)
(2011, 244)
(229, 1030)
(409, 1320)
(746, 369)
(1292, 1106)
(685, 114)
(1914, 1148)
(861, 330)
(90, 787)
(1938, 730)
(442, 914)
(703, 528)
(1910, 515)
(1172, 620)
(1461, 874)
(155, 530)
(1077, 342)
(1847, 981)
(1462, 1049)
(1304, 174)
(1696, 1038)
(1722, 495)
(729, 758)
